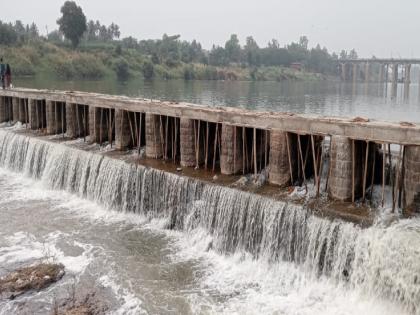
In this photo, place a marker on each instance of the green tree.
(122, 69)
(233, 49)
(217, 56)
(73, 22)
(7, 34)
(148, 70)
(353, 54)
(251, 50)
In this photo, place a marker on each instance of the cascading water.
(381, 260)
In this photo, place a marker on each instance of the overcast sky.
(383, 28)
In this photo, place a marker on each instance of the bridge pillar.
(341, 168)
(344, 72)
(394, 79)
(231, 158)
(412, 177)
(122, 130)
(98, 128)
(153, 136)
(381, 73)
(355, 72)
(367, 72)
(279, 158)
(187, 145)
(407, 81)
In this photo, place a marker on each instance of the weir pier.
(235, 141)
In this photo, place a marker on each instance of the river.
(147, 242)
(319, 97)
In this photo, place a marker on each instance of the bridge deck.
(359, 129)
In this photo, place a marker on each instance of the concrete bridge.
(380, 70)
(230, 140)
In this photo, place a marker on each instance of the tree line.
(171, 50)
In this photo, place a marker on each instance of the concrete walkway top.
(355, 128)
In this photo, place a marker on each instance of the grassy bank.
(98, 61)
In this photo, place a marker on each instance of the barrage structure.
(232, 140)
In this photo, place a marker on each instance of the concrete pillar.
(407, 81)
(394, 79)
(122, 130)
(344, 72)
(381, 73)
(231, 160)
(153, 136)
(355, 72)
(341, 169)
(367, 72)
(33, 119)
(51, 118)
(187, 146)
(15, 110)
(412, 177)
(3, 110)
(279, 160)
(71, 120)
(98, 129)
(22, 110)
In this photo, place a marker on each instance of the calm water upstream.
(153, 243)
(323, 98)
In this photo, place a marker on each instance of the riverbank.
(111, 61)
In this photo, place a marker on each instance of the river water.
(147, 242)
(322, 98)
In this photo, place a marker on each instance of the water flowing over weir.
(383, 261)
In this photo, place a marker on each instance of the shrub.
(148, 70)
(122, 69)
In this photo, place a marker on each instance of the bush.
(148, 70)
(81, 66)
(189, 73)
(122, 69)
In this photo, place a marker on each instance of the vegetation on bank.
(81, 49)
(93, 61)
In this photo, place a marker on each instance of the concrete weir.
(289, 148)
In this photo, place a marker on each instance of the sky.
(381, 28)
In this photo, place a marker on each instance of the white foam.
(130, 304)
(24, 247)
(250, 285)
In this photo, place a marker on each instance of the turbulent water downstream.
(156, 243)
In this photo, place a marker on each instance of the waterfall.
(381, 260)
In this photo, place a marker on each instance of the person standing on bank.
(2, 72)
(8, 77)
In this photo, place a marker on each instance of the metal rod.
(207, 146)
(266, 148)
(243, 150)
(166, 137)
(234, 149)
(215, 147)
(372, 181)
(100, 125)
(301, 159)
(255, 152)
(315, 161)
(383, 173)
(365, 171)
(289, 157)
(353, 162)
